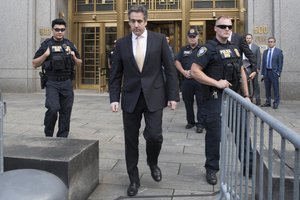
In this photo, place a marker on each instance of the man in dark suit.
(137, 73)
(240, 41)
(257, 56)
(272, 64)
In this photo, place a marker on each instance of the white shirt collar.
(144, 35)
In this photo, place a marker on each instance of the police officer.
(110, 55)
(217, 66)
(58, 57)
(190, 87)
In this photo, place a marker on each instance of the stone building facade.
(25, 24)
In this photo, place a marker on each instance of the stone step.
(74, 161)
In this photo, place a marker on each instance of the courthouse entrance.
(95, 41)
(96, 24)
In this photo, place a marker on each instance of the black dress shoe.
(211, 176)
(250, 171)
(133, 189)
(266, 105)
(275, 106)
(258, 102)
(188, 126)
(155, 172)
(199, 130)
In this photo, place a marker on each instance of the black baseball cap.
(192, 32)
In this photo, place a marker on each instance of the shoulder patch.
(201, 51)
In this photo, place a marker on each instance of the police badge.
(201, 51)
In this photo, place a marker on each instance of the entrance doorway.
(96, 39)
(170, 29)
(89, 47)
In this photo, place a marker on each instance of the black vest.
(60, 62)
(226, 65)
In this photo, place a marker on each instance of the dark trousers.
(59, 100)
(212, 124)
(190, 90)
(272, 80)
(243, 139)
(152, 134)
(256, 88)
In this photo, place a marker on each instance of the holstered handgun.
(43, 78)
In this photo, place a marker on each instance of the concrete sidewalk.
(181, 159)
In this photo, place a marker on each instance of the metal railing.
(259, 154)
(2, 113)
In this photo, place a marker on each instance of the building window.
(225, 4)
(105, 5)
(94, 5)
(156, 4)
(213, 4)
(84, 5)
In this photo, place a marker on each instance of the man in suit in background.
(257, 56)
(137, 73)
(240, 41)
(272, 64)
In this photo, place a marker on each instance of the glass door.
(201, 27)
(167, 28)
(90, 50)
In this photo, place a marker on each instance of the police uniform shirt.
(207, 55)
(46, 43)
(187, 55)
(110, 55)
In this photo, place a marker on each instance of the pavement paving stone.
(182, 156)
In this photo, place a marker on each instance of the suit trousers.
(152, 134)
(272, 80)
(256, 88)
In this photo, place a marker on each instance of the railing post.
(2, 113)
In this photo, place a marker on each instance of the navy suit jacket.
(277, 62)
(126, 78)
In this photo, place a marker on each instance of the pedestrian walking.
(58, 57)
(137, 74)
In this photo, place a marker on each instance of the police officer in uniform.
(110, 55)
(190, 87)
(217, 66)
(58, 57)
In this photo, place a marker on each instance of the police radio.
(67, 49)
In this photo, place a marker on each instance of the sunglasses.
(224, 26)
(192, 36)
(59, 29)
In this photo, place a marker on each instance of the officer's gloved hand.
(114, 106)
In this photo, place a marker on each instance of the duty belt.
(58, 78)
